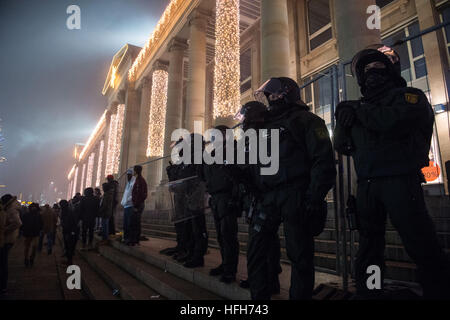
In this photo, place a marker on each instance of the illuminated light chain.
(119, 131)
(69, 176)
(90, 170)
(69, 190)
(227, 94)
(75, 179)
(100, 162)
(92, 136)
(111, 145)
(163, 22)
(157, 118)
(82, 178)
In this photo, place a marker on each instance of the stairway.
(398, 264)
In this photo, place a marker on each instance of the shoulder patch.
(411, 98)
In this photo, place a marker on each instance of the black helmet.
(277, 91)
(376, 53)
(251, 112)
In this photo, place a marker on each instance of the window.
(445, 16)
(319, 22)
(246, 70)
(411, 53)
(383, 3)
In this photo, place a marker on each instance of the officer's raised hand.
(346, 113)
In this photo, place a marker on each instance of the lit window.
(319, 23)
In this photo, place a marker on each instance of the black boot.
(194, 263)
(216, 271)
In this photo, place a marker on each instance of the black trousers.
(4, 252)
(135, 224)
(277, 206)
(70, 242)
(112, 223)
(183, 230)
(227, 232)
(400, 198)
(199, 236)
(87, 230)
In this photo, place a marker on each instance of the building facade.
(207, 57)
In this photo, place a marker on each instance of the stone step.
(397, 270)
(118, 280)
(199, 279)
(163, 282)
(91, 284)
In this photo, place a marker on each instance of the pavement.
(43, 281)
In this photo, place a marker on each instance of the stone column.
(174, 97)
(154, 168)
(105, 148)
(146, 90)
(274, 39)
(130, 136)
(195, 110)
(353, 35)
(437, 66)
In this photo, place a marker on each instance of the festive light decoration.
(157, 118)
(120, 117)
(100, 162)
(90, 170)
(111, 145)
(115, 141)
(113, 77)
(2, 159)
(163, 23)
(82, 178)
(75, 179)
(69, 176)
(69, 190)
(227, 95)
(94, 133)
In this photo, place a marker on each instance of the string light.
(120, 117)
(69, 190)
(75, 179)
(113, 76)
(69, 176)
(94, 133)
(163, 23)
(157, 118)
(115, 141)
(111, 145)
(100, 162)
(227, 59)
(90, 170)
(82, 178)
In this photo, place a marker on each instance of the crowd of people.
(78, 218)
(387, 133)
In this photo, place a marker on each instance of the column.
(195, 110)
(274, 39)
(154, 168)
(105, 149)
(353, 35)
(174, 97)
(130, 136)
(437, 67)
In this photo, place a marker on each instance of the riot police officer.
(225, 206)
(252, 116)
(388, 133)
(295, 194)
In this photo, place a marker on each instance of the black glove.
(345, 113)
(316, 212)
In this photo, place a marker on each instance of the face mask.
(375, 78)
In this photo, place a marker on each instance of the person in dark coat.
(106, 209)
(31, 229)
(89, 206)
(71, 230)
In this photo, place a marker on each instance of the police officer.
(252, 116)
(295, 194)
(388, 133)
(225, 206)
(182, 224)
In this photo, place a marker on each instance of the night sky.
(51, 80)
